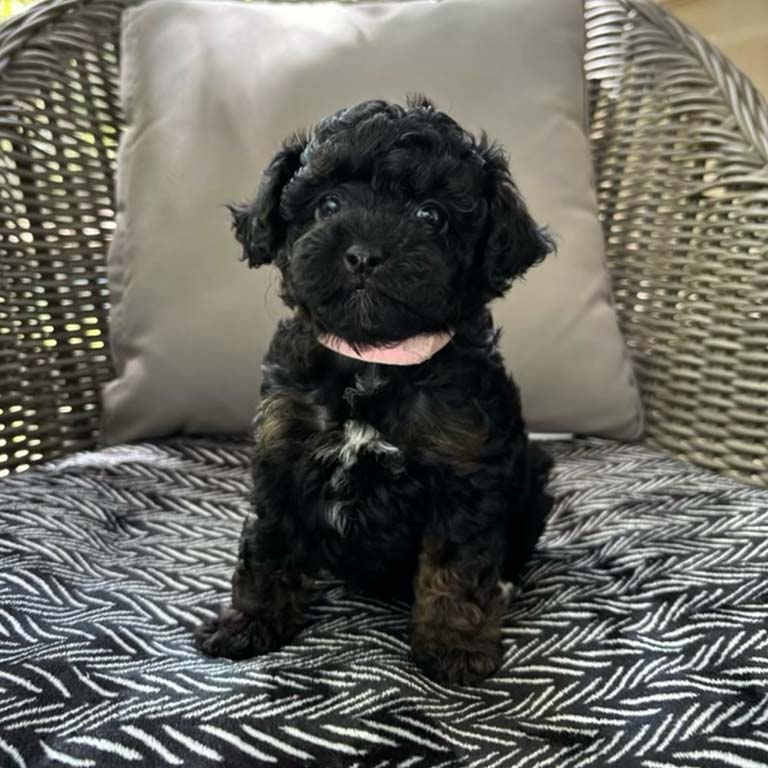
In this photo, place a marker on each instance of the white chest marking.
(358, 438)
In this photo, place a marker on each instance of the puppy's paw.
(229, 634)
(457, 665)
(236, 635)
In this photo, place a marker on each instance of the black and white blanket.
(639, 637)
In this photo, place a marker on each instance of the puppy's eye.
(329, 205)
(431, 215)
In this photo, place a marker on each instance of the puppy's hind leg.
(268, 596)
(457, 610)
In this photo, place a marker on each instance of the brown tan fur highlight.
(454, 436)
(284, 422)
(456, 620)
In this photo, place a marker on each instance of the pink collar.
(411, 351)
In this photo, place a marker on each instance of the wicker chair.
(638, 636)
(680, 142)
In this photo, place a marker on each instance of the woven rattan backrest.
(679, 138)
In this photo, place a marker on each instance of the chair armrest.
(59, 126)
(680, 143)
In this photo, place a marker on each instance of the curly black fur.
(415, 481)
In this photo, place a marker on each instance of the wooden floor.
(739, 28)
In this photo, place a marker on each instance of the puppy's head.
(389, 221)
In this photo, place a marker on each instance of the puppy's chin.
(361, 309)
(365, 316)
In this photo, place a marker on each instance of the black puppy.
(389, 444)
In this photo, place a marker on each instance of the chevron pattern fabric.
(638, 638)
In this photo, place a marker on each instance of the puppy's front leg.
(457, 610)
(268, 596)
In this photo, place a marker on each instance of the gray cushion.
(210, 90)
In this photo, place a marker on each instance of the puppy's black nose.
(362, 259)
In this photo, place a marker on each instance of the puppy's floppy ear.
(259, 226)
(514, 242)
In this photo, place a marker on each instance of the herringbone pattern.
(639, 638)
